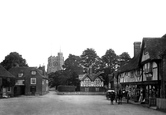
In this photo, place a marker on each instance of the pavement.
(53, 104)
(144, 105)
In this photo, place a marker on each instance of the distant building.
(55, 63)
(7, 82)
(91, 82)
(29, 81)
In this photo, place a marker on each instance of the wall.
(161, 103)
(38, 84)
(92, 89)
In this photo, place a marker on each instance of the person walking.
(120, 96)
(112, 97)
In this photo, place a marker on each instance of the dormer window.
(33, 72)
(20, 74)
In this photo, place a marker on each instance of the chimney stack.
(137, 48)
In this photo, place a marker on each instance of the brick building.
(29, 81)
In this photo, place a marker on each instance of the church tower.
(55, 63)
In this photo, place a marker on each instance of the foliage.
(123, 58)
(89, 58)
(68, 76)
(72, 64)
(110, 58)
(14, 59)
(73, 69)
(57, 78)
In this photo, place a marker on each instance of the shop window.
(97, 89)
(86, 89)
(33, 80)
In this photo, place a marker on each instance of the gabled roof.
(5, 73)
(154, 46)
(92, 77)
(131, 65)
(25, 70)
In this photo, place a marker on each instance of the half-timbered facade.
(152, 64)
(91, 83)
(145, 76)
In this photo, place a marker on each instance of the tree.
(14, 59)
(73, 68)
(72, 64)
(123, 58)
(110, 58)
(57, 78)
(89, 58)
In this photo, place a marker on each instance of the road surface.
(52, 104)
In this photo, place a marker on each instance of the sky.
(37, 29)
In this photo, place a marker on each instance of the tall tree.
(14, 59)
(73, 68)
(72, 64)
(110, 58)
(123, 58)
(89, 58)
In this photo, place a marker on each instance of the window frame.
(34, 83)
(33, 72)
(21, 74)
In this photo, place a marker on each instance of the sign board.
(20, 82)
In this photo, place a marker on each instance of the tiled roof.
(5, 73)
(131, 65)
(155, 47)
(92, 76)
(25, 70)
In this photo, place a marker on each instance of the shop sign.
(20, 82)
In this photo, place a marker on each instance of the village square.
(82, 57)
(80, 84)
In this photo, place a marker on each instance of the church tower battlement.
(55, 63)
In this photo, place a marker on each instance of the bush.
(66, 88)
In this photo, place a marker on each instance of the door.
(33, 90)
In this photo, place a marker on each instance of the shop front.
(151, 91)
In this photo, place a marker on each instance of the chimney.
(137, 48)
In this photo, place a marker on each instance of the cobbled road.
(52, 104)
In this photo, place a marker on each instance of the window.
(33, 72)
(86, 89)
(33, 80)
(97, 89)
(20, 74)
